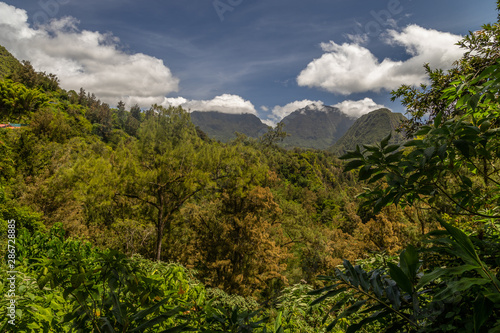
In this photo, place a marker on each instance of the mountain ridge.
(369, 129)
(223, 126)
(316, 127)
(8, 62)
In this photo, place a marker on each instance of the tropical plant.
(451, 167)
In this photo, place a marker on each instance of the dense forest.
(134, 220)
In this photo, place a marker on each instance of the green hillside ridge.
(369, 129)
(7, 62)
(223, 126)
(315, 128)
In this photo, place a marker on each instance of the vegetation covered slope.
(7, 62)
(370, 129)
(313, 127)
(223, 126)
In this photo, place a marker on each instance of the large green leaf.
(470, 255)
(409, 262)
(354, 164)
(438, 272)
(482, 310)
(329, 294)
(400, 278)
(459, 286)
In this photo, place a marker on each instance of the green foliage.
(457, 159)
(451, 167)
(8, 63)
(463, 296)
(101, 291)
(26, 74)
(18, 101)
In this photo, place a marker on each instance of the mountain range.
(315, 126)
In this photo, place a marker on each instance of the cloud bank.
(225, 103)
(280, 112)
(351, 108)
(88, 59)
(351, 68)
(358, 108)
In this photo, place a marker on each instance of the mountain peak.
(315, 126)
(369, 129)
(222, 126)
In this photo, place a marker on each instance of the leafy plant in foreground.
(463, 296)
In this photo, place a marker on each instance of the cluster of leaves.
(462, 296)
(103, 291)
(68, 285)
(16, 100)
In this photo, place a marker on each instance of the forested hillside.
(224, 126)
(129, 220)
(369, 129)
(317, 127)
(7, 62)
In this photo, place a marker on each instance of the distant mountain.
(315, 126)
(371, 128)
(7, 62)
(222, 126)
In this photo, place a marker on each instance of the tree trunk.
(160, 226)
(159, 238)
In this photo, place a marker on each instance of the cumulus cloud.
(88, 59)
(280, 112)
(358, 108)
(225, 103)
(351, 108)
(352, 68)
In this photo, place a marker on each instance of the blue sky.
(263, 57)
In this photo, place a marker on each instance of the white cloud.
(280, 112)
(88, 59)
(225, 103)
(268, 122)
(358, 38)
(351, 68)
(358, 108)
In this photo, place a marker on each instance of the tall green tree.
(166, 173)
(237, 231)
